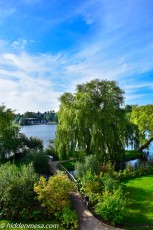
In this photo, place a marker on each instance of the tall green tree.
(92, 120)
(8, 132)
(142, 116)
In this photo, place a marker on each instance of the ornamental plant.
(68, 218)
(112, 206)
(54, 194)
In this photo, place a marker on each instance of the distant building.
(34, 121)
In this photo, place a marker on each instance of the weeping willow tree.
(92, 121)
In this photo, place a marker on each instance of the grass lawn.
(131, 154)
(69, 165)
(140, 194)
(35, 225)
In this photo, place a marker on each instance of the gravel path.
(86, 220)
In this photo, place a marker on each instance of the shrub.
(90, 162)
(91, 186)
(16, 190)
(39, 160)
(109, 183)
(33, 143)
(54, 194)
(127, 173)
(107, 168)
(112, 206)
(69, 218)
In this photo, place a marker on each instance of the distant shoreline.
(50, 123)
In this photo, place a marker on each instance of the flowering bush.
(54, 194)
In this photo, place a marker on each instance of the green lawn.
(140, 194)
(69, 165)
(131, 154)
(35, 225)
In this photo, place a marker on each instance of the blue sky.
(47, 47)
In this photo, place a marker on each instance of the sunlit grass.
(140, 195)
(70, 165)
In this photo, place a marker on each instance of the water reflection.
(145, 160)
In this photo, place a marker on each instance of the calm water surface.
(44, 132)
(147, 158)
(47, 132)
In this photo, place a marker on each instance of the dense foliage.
(142, 116)
(106, 196)
(16, 191)
(90, 162)
(8, 132)
(39, 161)
(49, 116)
(54, 196)
(112, 206)
(12, 142)
(92, 121)
(68, 218)
(129, 172)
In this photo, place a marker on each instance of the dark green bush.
(16, 191)
(39, 160)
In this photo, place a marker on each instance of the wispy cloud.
(19, 45)
(31, 82)
(26, 81)
(116, 45)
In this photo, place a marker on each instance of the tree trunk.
(145, 145)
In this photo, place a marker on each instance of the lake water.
(146, 160)
(44, 132)
(47, 132)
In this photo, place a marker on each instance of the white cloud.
(134, 98)
(26, 82)
(35, 82)
(19, 44)
(139, 85)
(38, 80)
